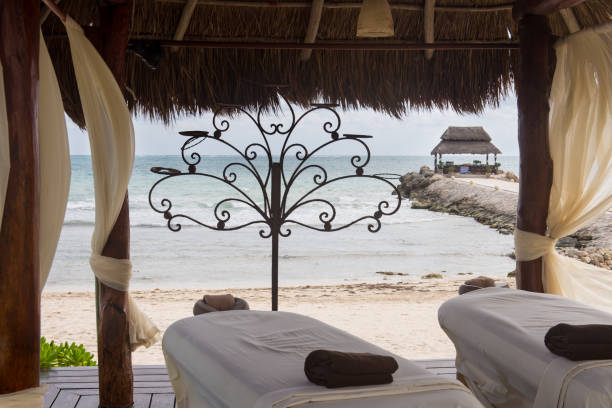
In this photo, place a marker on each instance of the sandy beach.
(398, 316)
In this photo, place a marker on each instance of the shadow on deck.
(77, 387)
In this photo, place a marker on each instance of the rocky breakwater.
(434, 192)
(497, 209)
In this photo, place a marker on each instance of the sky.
(415, 134)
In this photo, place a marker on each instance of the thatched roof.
(465, 140)
(466, 134)
(191, 80)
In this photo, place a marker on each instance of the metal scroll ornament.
(274, 207)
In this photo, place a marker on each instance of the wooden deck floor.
(77, 387)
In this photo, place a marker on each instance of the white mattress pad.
(499, 337)
(244, 359)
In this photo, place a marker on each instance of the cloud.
(414, 135)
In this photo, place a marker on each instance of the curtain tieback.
(529, 246)
(115, 273)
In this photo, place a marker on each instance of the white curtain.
(54, 161)
(581, 149)
(111, 137)
(54, 156)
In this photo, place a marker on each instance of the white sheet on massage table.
(235, 357)
(499, 336)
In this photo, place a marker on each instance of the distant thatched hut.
(465, 140)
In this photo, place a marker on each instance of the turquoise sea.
(413, 242)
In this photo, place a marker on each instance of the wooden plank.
(152, 390)
(150, 369)
(536, 167)
(93, 385)
(65, 399)
(53, 370)
(50, 396)
(313, 27)
(142, 400)
(19, 235)
(142, 385)
(79, 379)
(162, 401)
(48, 375)
(88, 401)
(155, 390)
(93, 370)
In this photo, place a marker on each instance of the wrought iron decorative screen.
(276, 209)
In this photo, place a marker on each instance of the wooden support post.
(19, 263)
(536, 171)
(114, 356)
(435, 163)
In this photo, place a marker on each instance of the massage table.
(254, 359)
(499, 337)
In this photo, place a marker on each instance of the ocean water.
(411, 242)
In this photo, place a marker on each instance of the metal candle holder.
(276, 210)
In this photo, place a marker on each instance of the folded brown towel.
(337, 369)
(220, 302)
(586, 342)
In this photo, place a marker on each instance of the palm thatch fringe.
(194, 80)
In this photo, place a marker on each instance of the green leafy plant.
(64, 355)
(48, 354)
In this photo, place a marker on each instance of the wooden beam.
(297, 43)
(19, 236)
(186, 15)
(114, 356)
(359, 45)
(536, 167)
(313, 27)
(44, 12)
(570, 20)
(541, 7)
(346, 5)
(428, 24)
